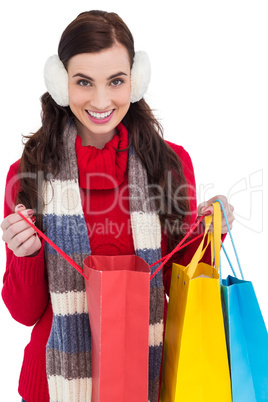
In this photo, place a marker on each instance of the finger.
(230, 220)
(201, 206)
(19, 207)
(208, 211)
(14, 218)
(14, 229)
(222, 198)
(230, 211)
(227, 207)
(29, 247)
(20, 238)
(204, 209)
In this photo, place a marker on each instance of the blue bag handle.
(232, 240)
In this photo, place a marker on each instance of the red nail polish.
(207, 213)
(30, 212)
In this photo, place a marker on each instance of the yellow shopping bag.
(195, 361)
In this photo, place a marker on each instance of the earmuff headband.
(56, 78)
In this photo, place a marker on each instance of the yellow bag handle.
(214, 239)
(199, 253)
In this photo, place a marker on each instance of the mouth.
(104, 116)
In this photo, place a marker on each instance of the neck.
(97, 140)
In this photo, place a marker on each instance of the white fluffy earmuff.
(56, 78)
(140, 76)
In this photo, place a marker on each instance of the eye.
(117, 82)
(84, 83)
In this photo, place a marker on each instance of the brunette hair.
(90, 32)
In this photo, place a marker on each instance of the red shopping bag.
(118, 294)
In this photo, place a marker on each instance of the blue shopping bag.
(246, 336)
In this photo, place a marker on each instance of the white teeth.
(100, 115)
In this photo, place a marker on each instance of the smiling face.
(99, 93)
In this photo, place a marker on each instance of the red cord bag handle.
(80, 270)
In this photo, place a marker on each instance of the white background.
(209, 88)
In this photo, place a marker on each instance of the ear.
(56, 80)
(140, 76)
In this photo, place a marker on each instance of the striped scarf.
(68, 353)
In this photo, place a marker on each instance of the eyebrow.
(91, 79)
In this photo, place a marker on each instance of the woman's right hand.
(19, 236)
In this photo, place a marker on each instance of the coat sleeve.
(184, 256)
(25, 289)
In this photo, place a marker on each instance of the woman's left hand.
(205, 208)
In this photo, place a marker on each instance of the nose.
(100, 99)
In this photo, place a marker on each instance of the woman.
(98, 178)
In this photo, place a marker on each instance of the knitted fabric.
(68, 352)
